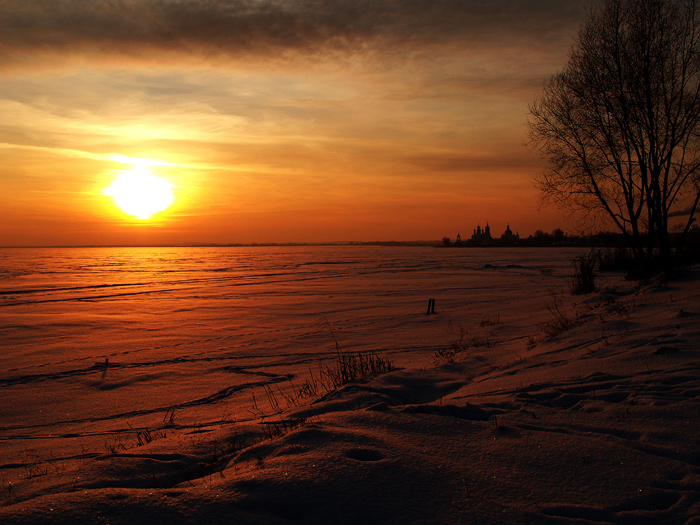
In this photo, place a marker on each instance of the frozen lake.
(200, 331)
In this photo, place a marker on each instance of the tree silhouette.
(619, 127)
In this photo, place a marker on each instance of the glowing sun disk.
(140, 193)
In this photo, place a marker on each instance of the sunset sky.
(274, 121)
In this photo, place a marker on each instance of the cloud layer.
(294, 120)
(251, 29)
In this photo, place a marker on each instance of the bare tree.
(619, 127)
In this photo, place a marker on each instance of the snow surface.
(514, 403)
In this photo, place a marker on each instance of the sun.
(140, 193)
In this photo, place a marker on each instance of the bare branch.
(619, 127)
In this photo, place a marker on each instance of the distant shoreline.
(433, 244)
(557, 239)
(237, 245)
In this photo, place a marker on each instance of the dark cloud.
(441, 163)
(249, 29)
(680, 213)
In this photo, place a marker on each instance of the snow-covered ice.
(514, 402)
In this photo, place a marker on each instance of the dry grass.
(561, 320)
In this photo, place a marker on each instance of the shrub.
(583, 279)
(617, 260)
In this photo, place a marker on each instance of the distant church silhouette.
(482, 237)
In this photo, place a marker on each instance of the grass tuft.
(561, 320)
(350, 367)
